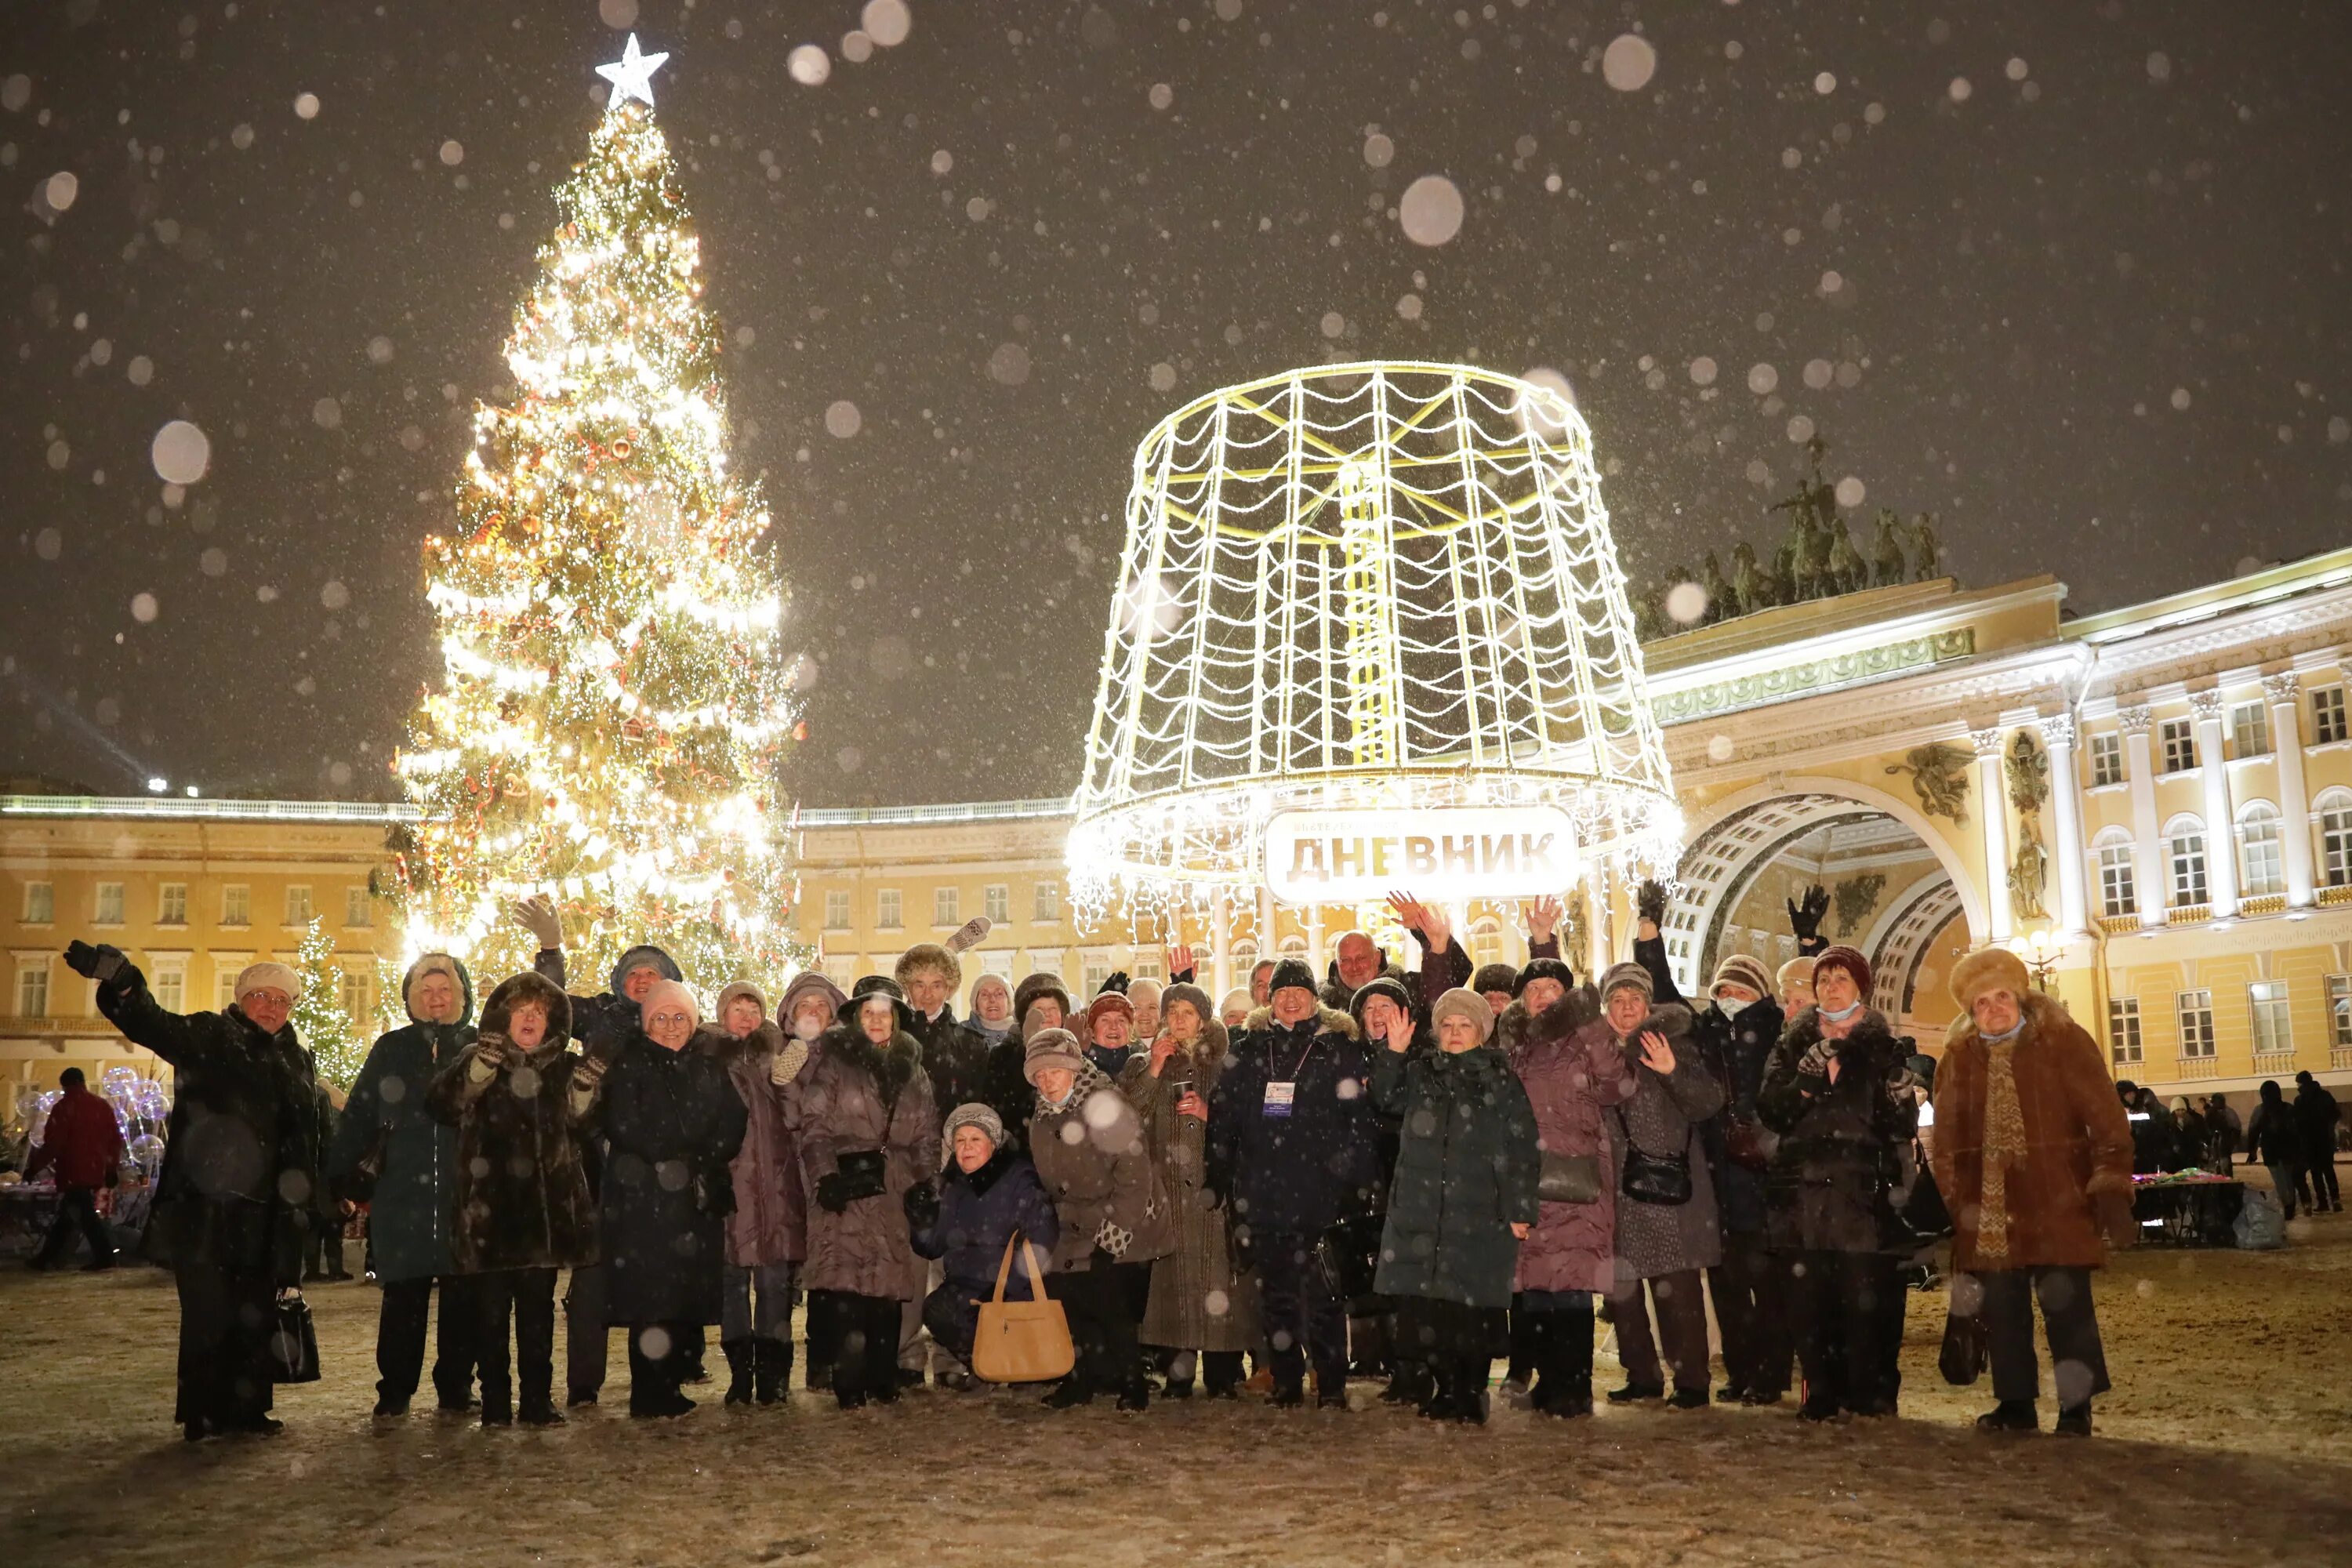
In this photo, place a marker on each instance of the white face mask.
(805, 1029)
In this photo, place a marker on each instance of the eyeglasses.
(671, 1020)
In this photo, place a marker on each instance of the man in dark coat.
(1293, 1146)
(1356, 961)
(386, 1134)
(2317, 1114)
(82, 1143)
(1735, 1035)
(240, 1165)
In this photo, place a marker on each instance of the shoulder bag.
(1021, 1341)
(1661, 1179)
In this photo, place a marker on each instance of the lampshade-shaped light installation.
(1378, 593)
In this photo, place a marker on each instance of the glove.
(1805, 919)
(1815, 1063)
(99, 963)
(1114, 1238)
(922, 1205)
(1114, 981)
(537, 916)
(1650, 901)
(830, 1195)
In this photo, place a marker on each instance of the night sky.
(2071, 274)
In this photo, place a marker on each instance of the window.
(169, 987)
(2274, 1034)
(2118, 894)
(298, 905)
(108, 907)
(843, 968)
(2196, 1023)
(1046, 960)
(2179, 745)
(2123, 1030)
(357, 913)
(1095, 971)
(224, 982)
(2339, 1011)
(996, 903)
(33, 988)
(1147, 964)
(836, 909)
(172, 904)
(2184, 843)
(41, 903)
(355, 998)
(947, 905)
(2258, 829)
(2327, 725)
(1049, 904)
(2106, 759)
(888, 915)
(236, 906)
(2249, 729)
(2336, 840)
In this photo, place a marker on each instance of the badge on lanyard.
(1279, 1098)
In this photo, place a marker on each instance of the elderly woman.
(867, 1131)
(1146, 996)
(1234, 1010)
(768, 1232)
(2033, 1157)
(240, 1164)
(1092, 1157)
(986, 1196)
(1666, 1224)
(1838, 1094)
(1197, 1302)
(1038, 1003)
(1795, 979)
(991, 1022)
(1462, 1199)
(672, 1122)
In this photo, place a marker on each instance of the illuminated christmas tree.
(607, 727)
(327, 1032)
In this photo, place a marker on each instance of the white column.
(1992, 803)
(2148, 851)
(1597, 956)
(2294, 800)
(2066, 797)
(2221, 829)
(1266, 953)
(1314, 959)
(1221, 944)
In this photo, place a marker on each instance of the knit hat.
(1739, 969)
(1104, 1005)
(1542, 969)
(1387, 985)
(740, 990)
(1292, 974)
(1237, 998)
(266, 976)
(1038, 984)
(1000, 982)
(1991, 969)
(974, 1115)
(1796, 971)
(1624, 976)
(880, 985)
(2180, 1104)
(1495, 977)
(645, 956)
(1845, 958)
(929, 956)
(1192, 996)
(670, 994)
(1460, 1003)
(1051, 1048)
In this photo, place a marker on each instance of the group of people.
(1403, 1175)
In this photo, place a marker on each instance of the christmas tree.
(319, 1021)
(607, 727)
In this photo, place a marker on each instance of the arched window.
(1245, 959)
(2262, 849)
(1486, 940)
(2336, 837)
(2118, 878)
(2184, 850)
(1292, 946)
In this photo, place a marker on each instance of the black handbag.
(1348, 1254)
(293, 1343)
(1661, 1179)
(1967, 1346)
(1921, 1214)
(1569, 1179)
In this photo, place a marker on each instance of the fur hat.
(1543, 969)
(1237, 998)
(1989, 969)
(1739, 969)
(645, 956)
(974, 1115)
(929, 957)
(1104, 1005)
(670, 992)
(267, 976)
(1625, 975)
(1460, 1003)
(740, 990)
(443, 965)
(1796, 971)
(1495, 977)
(1038, 984)
(880, 985)
(1192, 996)
(1848, 959)
(1050, 1048)
(528, 989)
(1289, 974)
(1387, 985)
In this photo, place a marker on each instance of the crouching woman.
(986, 1196)
(523, 1211)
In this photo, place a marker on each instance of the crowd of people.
(1375, 1175)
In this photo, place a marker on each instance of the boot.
(772, 1369)
(2074, 1420)
(738, 1369)
(2010, 1416)
(1137, 1394)
(1070, 1392)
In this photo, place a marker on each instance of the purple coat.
(770, 1224)
(1568, 1059)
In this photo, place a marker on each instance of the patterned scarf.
(2004, 1146)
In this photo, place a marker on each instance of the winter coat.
(1339, 997)
(2317, 1114)
(1842, 1145)
(979, 1212)
(1197, 1304)
(1662, 1116)
(1007, 1090)
(672, 1121)
(2274, 1135)
(1295, 1174)
(521, 1194)
(2078, 1145)
(82, 1140)
(770, 1224)
(241, 1152)
(1736, 1046)
(851, 1098)
(1090, 1153)
(954, 1058)
(1568, 1063)
(415, 1190)
(1465, 1172)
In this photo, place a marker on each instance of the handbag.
(1348, 1254)
(293, 1343)
(863, 1173)
(1021, 1341)
(1661, 1179)
(1967, 1346)
(1569, 1179)
(1743, 1144)
(1921, 1213)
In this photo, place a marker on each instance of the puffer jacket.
(852, 1097)
(1465, 1172)
(1736, 1046)
(1569, 1063)
(1091, 1153)
(770, 1224)
(415, 1190)
(1842, 1145)
(979, 1212)
(672, 1122)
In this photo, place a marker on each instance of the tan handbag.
(1021, 1341)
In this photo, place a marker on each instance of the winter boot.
(1634, 1392)
(1137, 1394)
(772, 1369)
(2011, 1415)
(1069, 1392)
(541, 1412)
(2074, 1420)
(738, 1369)
(497, 1411)
(1221, 1374)
(1470, 1392)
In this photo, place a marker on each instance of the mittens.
(832, 1193)
(1815, 1062)
(922, 1205)
(1114, 1238)
(100, 963)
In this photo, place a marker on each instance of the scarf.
(2004, 1146)
(993, 1033)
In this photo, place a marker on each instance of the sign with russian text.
(1435, 853)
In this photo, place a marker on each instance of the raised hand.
(537, 915)
(1410, 911)
(100, 963)
(1656, 1054)
(1805, 919)
(1543, 918)
(1180, 960)
(1650, 901)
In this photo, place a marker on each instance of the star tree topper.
(632, 74)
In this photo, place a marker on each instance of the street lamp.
(2041, 952)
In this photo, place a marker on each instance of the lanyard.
(1302, 1060)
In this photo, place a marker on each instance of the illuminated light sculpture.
(1369, 632)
